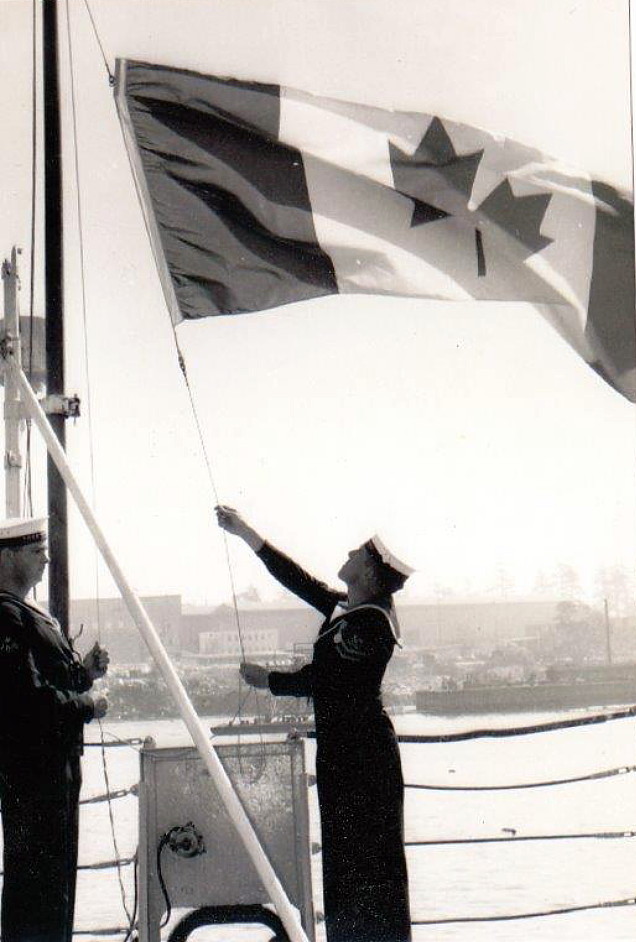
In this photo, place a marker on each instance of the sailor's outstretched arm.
(285, 570)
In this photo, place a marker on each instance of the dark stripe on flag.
(232, 204)
(611, 323)
(252, 104)
(270, 270)
(223, 261)
(220, 151)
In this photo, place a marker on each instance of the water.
(453, 880)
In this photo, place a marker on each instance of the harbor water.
(452, 880)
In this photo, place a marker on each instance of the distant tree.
(505, 583)
(566, 582)
(616, 584)
(578, 632)
(543, 585)
(508, 656)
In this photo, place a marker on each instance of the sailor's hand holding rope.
(96, 665)
(96, 661)
(255, 675)
(231, 521)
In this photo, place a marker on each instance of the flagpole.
(54, 322)
(200, 735)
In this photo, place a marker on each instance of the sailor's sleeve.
(291, 683)
(27, 700)
(364, 637)
(301, 583)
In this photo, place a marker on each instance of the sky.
(467, 434)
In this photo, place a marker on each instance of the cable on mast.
(111, 77)
(129, 915)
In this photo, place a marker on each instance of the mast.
(54, 307)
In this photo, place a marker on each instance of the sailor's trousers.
(40, 805)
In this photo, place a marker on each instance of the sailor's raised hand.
(255, 675)
(230, 520)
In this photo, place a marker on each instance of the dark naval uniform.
(43, 707)
(360, 786)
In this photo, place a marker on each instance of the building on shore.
(109, 621)
(286, 626)
(473, 623)
(265, 628)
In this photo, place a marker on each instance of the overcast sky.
(469, 435)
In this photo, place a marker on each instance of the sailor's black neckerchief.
(386, 608)
(34, 609)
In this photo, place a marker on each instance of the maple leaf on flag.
(440, 181)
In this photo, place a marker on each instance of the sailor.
(359, 775)
(44, 704)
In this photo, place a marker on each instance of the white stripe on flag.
(570, 221)
(363, 261)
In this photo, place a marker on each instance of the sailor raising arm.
(360, 787)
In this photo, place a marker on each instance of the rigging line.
(184, 372)
(117, 741)
(34, 154)
(132, 923)
(114, 930)
(108, 864)
(599, 835)
(594, 776)
(242, 700)
(111, 77)
(98, 799)
(27, 500)
(208, 464)
(545, 912)
(503, 732)
(111, 816)
(228, 561)
(80, 228)
(182, 366)
(631, 89)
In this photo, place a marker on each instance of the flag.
(258, 195)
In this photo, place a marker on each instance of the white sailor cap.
(384, 555)
(20, 531)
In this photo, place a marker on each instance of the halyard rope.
(111, 817)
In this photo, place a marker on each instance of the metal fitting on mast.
(66, 406)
